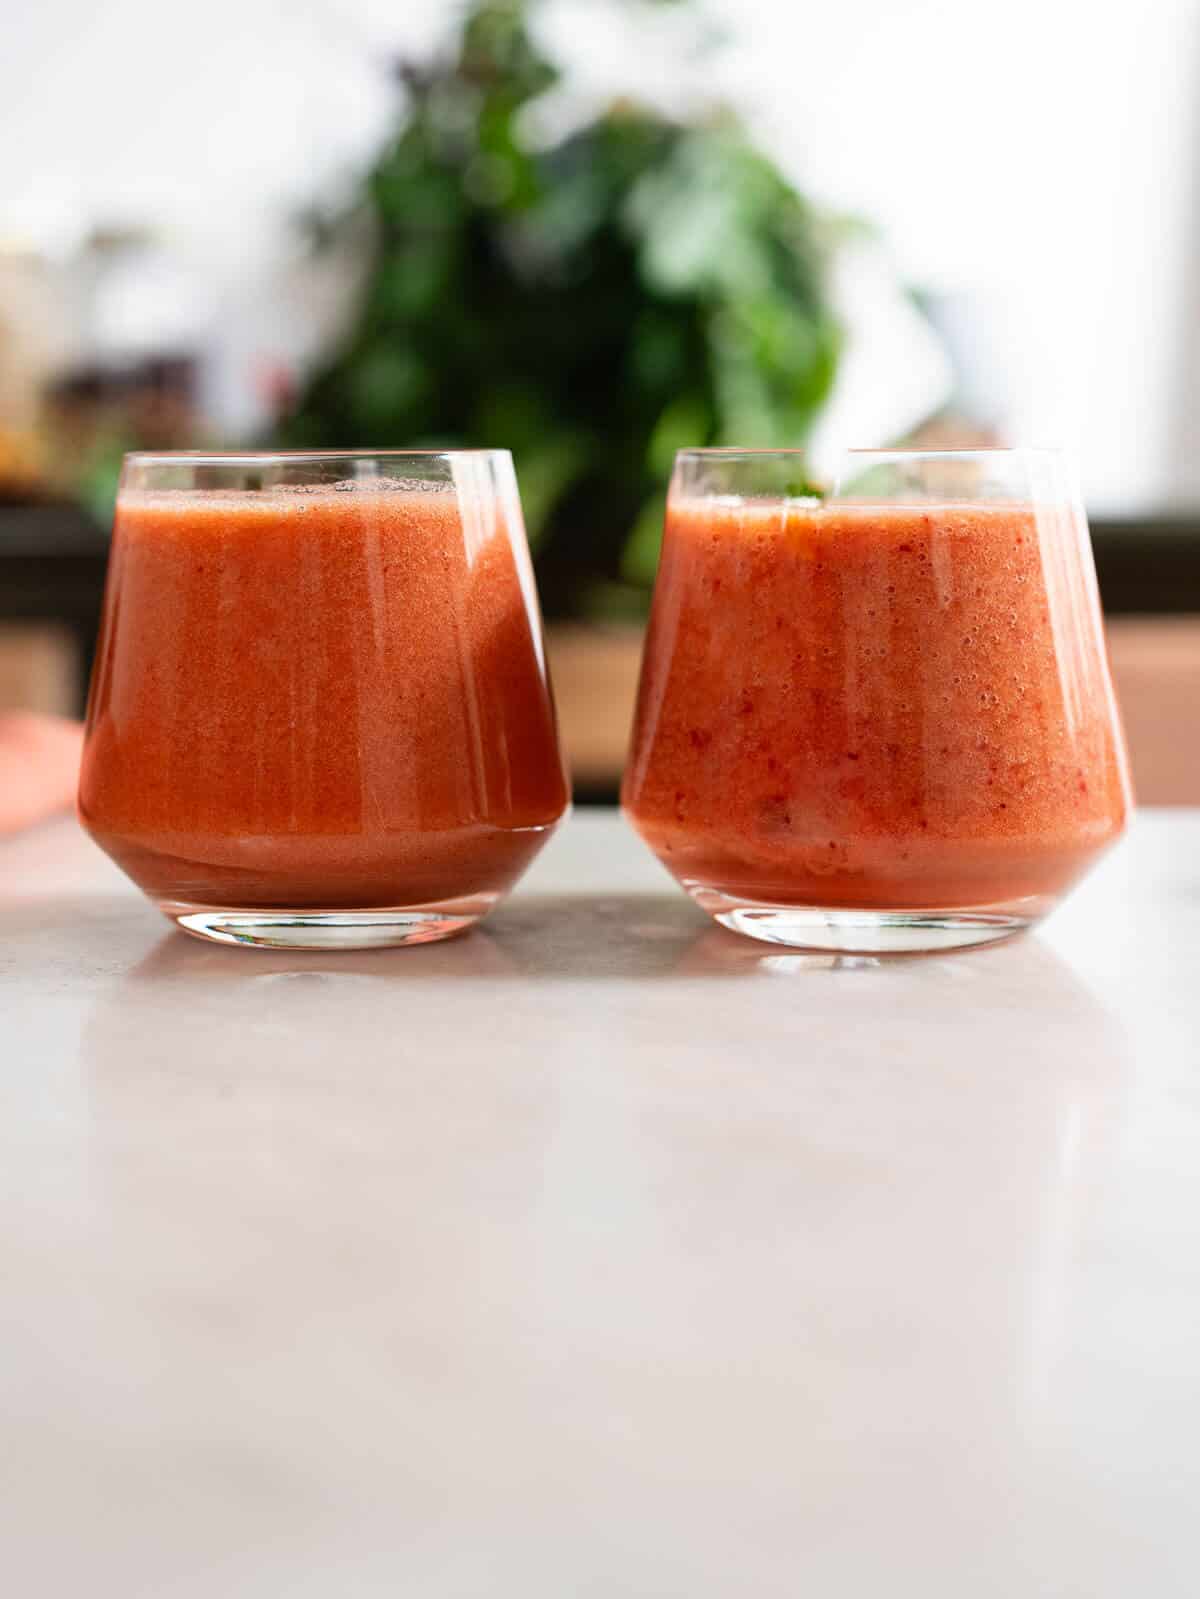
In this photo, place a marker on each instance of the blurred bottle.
(142, 313)
(34, 339)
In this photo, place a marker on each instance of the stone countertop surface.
(600, 1254)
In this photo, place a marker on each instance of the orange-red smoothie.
(318, 698)
(875, 705)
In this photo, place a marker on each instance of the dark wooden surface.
(52, 563)
(1148, 567)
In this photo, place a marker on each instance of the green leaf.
(545, 471)
(639, 559)
(684, 424)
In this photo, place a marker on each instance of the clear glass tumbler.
(320, 716)
(880, 718)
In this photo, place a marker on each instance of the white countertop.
(600, 1254)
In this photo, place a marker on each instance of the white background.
(1033, 164)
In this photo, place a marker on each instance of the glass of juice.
(320, 716)
(877, 718)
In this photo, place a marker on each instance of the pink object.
(39, 767)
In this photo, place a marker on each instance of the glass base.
(844, 930)
(387, 928)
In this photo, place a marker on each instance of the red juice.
(875, 705)
(319, 697)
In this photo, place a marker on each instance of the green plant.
(641, 285)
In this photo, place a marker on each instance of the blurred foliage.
(594, 304)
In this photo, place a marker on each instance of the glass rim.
(288, 457)
(895, 452)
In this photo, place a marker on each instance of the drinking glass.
(320, 716)
(877, 718)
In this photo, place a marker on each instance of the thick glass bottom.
(377, 928)
(851, 930)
